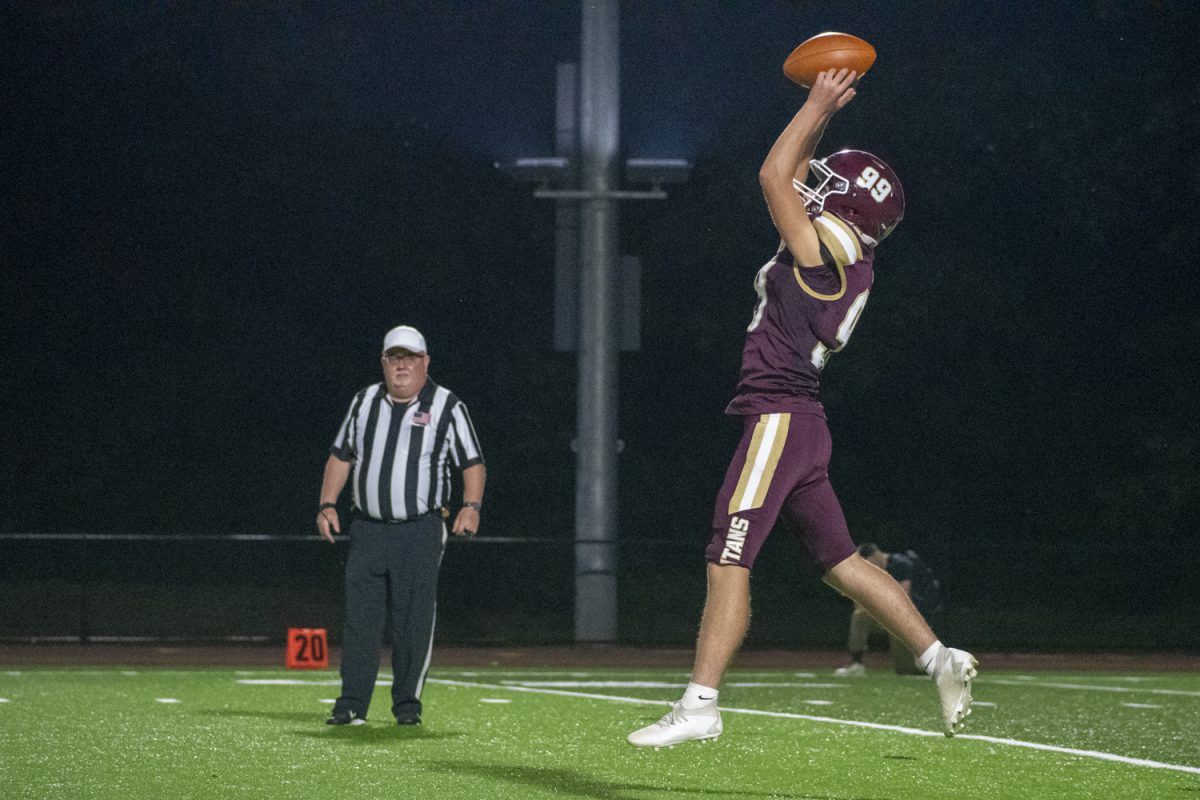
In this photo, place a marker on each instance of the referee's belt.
(433, 512)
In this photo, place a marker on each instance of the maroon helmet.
(860, 189)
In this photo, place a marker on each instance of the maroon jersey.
(803, 314)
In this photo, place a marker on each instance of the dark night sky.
(212, 216)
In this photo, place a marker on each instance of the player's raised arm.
(788, 159)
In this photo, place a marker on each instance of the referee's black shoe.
(408, 719)
(344, 716)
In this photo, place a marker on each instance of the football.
(828, 51)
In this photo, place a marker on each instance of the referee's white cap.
(404, 336)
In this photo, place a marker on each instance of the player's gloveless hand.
(833, 90)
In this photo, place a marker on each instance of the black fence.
(144, 587)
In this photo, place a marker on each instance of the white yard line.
(542, 673)
(665, 685)
(1086, 687)
(300, 682)
(1139, 762)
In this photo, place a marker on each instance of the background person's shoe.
(680, 725)
(344, 716)
(953, 671)
(408, 719)
(857, 668)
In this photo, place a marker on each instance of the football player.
(810, 296)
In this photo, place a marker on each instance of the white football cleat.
(857, 668)
(953, 671)
(680, 725)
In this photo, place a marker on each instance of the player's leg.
(756, 483)
(813, 509)
(413, 571)
(724, 623)
(366, 587)
(876, 591)
(904, 662)
(760, 476)
(722, 627)
(879, 595)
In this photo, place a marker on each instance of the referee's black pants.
(396, 565)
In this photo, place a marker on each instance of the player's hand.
(466, 523)
(833, 90)
(328, 524)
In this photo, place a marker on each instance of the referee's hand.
(327, 523)
(466, 523)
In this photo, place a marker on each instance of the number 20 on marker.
(307, 648)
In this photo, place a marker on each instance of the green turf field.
(223, 733)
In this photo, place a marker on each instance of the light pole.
(587, 292)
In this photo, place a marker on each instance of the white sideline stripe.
(1050, 748)
(1089, 688)
(775, 674)
(4, 700)
(494, 700)
(166, 700)
(1140, 705)
(663, 685)
(298, 682)
(542, 672)
(155, 671)
(284, 682)
(768, 684)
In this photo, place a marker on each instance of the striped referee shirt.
(402, 453)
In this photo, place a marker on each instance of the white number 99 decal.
(880, 187)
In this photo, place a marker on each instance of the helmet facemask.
(828, 183)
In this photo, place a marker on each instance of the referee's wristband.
(324, 506)
(474, 505)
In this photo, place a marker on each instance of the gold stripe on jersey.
(762, 457)
(842, 243)
(811, 292)
(839, 238)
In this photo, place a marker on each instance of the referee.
(398, 440)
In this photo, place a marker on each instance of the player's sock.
(928, 658)
(696, 696)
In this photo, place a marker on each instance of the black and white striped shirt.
(402, 453)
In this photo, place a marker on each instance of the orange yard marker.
(307, 648)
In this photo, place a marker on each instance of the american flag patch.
(421, 418)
